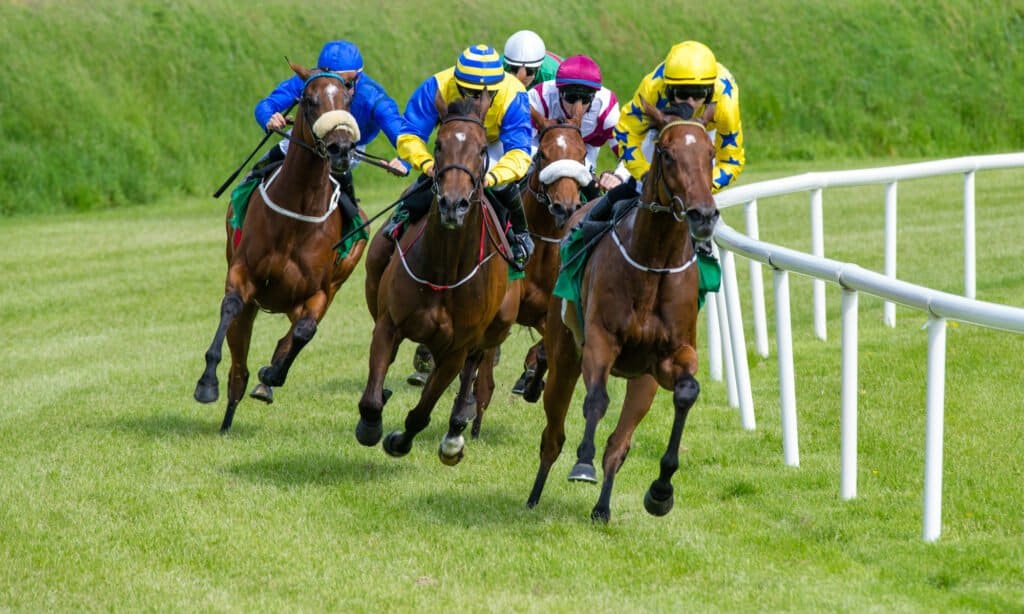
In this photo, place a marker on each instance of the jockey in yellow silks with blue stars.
(690, 75)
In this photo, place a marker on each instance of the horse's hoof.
(392, 448)
(600, 515)
(267, 376)
(532, 503)
(263, 392)
(369, 434)
(523, 383)
(206, 393)
(531, 395)
(658, 507)
(583, 472)
(386, 393)
(417, 378)
(444, 452)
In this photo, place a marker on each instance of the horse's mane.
(462, 106)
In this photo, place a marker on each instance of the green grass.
(119, 494)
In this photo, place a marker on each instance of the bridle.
(540, 193)
(319, 146)
(676, 205)
(478, 179)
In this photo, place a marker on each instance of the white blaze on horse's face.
(690, 140)
(560, 141)
(460, 136)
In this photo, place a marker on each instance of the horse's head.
(324, 120)
(682, 168)
(460, 157)
(560, 163)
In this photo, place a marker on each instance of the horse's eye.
(666, 157)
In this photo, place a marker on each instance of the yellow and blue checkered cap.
(479, 66)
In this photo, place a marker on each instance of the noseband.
(540, 193)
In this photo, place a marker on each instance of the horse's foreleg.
(565, 372)
(303, 328)
(535, 384)
(399, 443)
(483, 388)
(239, 336)
(659, 498)
(207, 386)
(464, 409)
(639, 395)
(597, 363)
(383, 348)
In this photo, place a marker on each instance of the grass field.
(119, 494)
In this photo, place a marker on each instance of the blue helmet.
(340, 56)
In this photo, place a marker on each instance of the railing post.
(848, 416)
(818, 250)
(970, 283)
(739, 351)
(757, 309)
(935, 415)
(727, 361)
(714, 357)
(889, 317)
(787, 386)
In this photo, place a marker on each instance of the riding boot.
(347, 198)
(415, 203)
(590, 192)
(602, 211)
(519, 233)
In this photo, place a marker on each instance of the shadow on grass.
(316, 469)
(163, 425)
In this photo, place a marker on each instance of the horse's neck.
(302, 185)
(658, 239)
(450, 254)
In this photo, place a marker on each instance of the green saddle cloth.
(240, 203)
(570, 278)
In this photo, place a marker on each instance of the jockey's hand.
(489, 181)
(429, 170)
(398, 166)
(276, 121)
(608, 180)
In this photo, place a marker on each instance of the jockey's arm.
(417, 125)
(516, 138)
(630, 132)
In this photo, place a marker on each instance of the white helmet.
(525, 48)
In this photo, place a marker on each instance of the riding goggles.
(684, 92)
(514, 68)
(572, 95)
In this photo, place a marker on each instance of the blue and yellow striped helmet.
(479, 67)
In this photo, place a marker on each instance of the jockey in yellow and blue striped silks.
(691, 75)
(509, 132)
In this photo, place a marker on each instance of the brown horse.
(285, 262)
(639, 306)
(445, 286)
(552, 194)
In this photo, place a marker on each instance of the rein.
(481, 260)
(540, 193)
(319, 148)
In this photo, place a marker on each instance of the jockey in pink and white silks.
(579, 80)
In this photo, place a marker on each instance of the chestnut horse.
(445, 286)
(639, 305)
(285, 262)
(552, 194)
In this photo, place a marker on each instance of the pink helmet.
(578, 70)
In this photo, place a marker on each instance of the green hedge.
(116, 102)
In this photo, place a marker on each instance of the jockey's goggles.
(572, 94)
(466, 92)
(514, 68)
(684, 92)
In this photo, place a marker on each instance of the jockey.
(507, 123)
(526, 58)
(579, 80)
(374, 110)
(692, 76)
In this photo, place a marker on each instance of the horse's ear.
(441, 106)
(656, 116)
(300, 71)
(539, 121)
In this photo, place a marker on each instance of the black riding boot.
(519, 234)
(347, 199)
(602, 211)
(590, 192)
(415, 203)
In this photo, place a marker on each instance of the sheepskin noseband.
(336, 120)
(566, 168)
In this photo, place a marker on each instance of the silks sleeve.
(516, 137)
(418, 124)
(729, 154)
(631, 130)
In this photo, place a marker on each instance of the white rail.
(852, 278)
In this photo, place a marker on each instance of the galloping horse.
(284, 262)
(552, 194)
(446, 286)
(639, 306)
